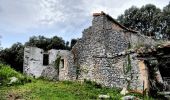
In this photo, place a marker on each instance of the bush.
(6, 72)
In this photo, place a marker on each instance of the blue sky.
(21, 19)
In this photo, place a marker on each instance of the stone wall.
(136, 40)
(33, 61)
(33, 64)
(100, 54)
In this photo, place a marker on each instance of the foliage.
(0, 43)
(73, 42)
(65, 90)
(6, 72)
(67, 47)
(57, 63)
(77, 71)
(166, 21)
(48, 90)
(13, 56)
(148, 19)
(127, 66)
(47, 43)
(129, 18)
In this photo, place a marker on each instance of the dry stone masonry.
(103, 55)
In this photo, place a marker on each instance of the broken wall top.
(114, 21)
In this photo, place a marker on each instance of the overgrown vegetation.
(13, 56)
(77, 71)
(45, 90)
(6, 72)
(127, 65)
(30, 89)
(149, 20)
(47, 43)
(57, 62)
(126, 70)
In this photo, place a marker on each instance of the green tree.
(67, 45)
(150, 19)
(130, 18)
(0, 44)
(38, 41)
(13, 56)
(73, 42)
(57, 43)
(165, 28)
(146, 19)
(46, 43)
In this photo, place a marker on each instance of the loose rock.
(13, 80)
(124, 91)
(104, 96)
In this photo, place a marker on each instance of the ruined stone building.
(39, 63)
(104, 54)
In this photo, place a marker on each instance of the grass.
(6, 72)
(48, 90)
(65, 90)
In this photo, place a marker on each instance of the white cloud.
(24, 14)
(18, 16)
(65, 18)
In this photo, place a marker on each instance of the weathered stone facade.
(33, 64)
(102, 55)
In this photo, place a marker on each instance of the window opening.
(45, 59)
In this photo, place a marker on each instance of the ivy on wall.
(127, 66)
(57, 63)
(126, 69)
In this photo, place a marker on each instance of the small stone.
(123, 53)
(13, 80)
(104, 96)
(124, 91)
(128, 97)
(128, 79)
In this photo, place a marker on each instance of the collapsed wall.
(38, 63)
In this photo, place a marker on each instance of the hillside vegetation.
(6, 73)
(31, 89)
(38, 89)
(45, 90)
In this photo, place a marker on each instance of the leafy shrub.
(6, 72)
